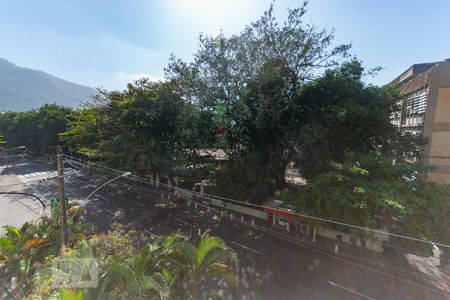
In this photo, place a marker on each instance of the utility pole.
(62, 201)
(6, 157)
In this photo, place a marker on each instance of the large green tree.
(361, 170)
(37, 129)
(345, 115)
(6, 120)
(250, 81)
(375, 191)
(147, 128)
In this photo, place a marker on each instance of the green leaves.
(357, 170)
(375, 191)
(6, 247)
(148, 128)
(343, 115)
(359, 190)
(25, 250)
(212, 247)
(204, 261)
(12, 232)
(395, 204)
(35, 129)
(64, 294)
(166, 268)
(252, 82)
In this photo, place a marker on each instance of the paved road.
(271, 268)
(16, 209)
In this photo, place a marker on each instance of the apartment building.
(425, 110)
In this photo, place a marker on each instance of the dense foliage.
(251, 81)
(23, 250)
(129, 266)
(35, 129)
(373, 192)
(343, 115)
(147, 128)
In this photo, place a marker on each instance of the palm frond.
(207, 245)
(213, 249)
(223, 271)
(183, 254)
(118, 276)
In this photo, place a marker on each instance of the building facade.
(425, 110)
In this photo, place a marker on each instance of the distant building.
(425, 110)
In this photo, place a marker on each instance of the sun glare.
(211, 15)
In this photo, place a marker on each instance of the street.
(15, 208)
(270, 267)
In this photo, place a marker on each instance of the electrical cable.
(294, 213)
(276, 234)
(289, 239)
(273, 232)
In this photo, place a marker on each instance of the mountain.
(22, 89)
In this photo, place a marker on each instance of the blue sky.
(110, 42)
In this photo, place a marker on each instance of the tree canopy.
(147, 128)
(372, 191)
(35, 129)
(251, 82)
(344, 115)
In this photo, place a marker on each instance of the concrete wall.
(437, 124)
(240, 209)
(375, 244)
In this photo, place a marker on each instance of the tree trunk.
(278, 164)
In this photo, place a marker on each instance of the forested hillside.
(22, 89)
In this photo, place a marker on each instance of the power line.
(158, 191)
(350, 290)
(209, 196)
(289, 239)
(145, 180)
(356, 257)
(326, 220)
(277, 234)
(198, 194)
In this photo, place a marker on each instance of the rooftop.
(416, 76)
